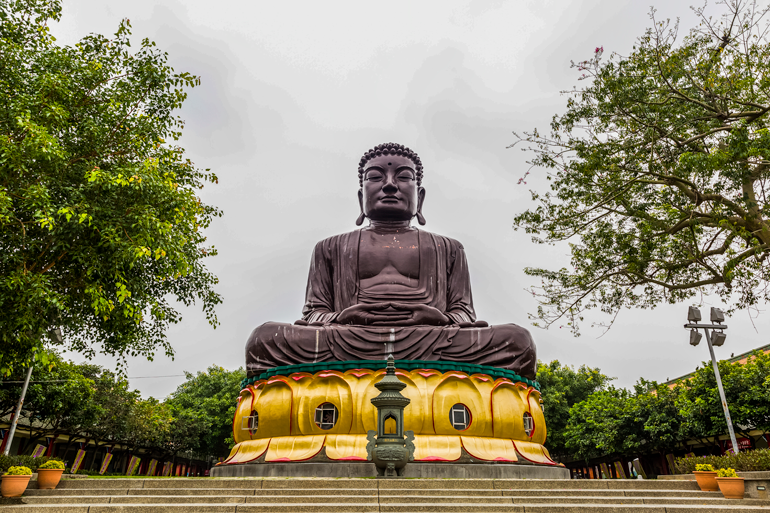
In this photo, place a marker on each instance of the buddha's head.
(390, 176)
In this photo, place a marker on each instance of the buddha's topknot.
(389, 149)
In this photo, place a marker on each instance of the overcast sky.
(291, 95)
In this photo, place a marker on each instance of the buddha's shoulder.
(449, 242)
(335, 241)
(344, 239)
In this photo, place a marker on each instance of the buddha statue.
(390, 288)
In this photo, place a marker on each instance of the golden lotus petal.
(233, 452)
(274, 407)
(437, 448)
(457, 388)
(532, 452)
(540, 432)
(346, 447)
(294, 448)
(250, 450)
(244, 408)
(426, 381)
(489, 449)
(508, 410)
(360, 382)
(325, 387)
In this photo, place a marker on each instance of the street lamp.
(714, 338)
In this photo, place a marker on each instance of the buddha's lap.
(505, 346)
(499, 331)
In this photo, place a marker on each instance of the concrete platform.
(361, 469)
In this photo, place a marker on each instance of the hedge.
(7, 462)
(742, 462)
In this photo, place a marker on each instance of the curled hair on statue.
(389, 149)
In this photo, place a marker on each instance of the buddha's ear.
(420, 201)
(361, 216)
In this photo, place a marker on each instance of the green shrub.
(7, 462)
(726, 472)
(707, 467)
(19, 471)
(96, 473)
(52, 464)
(748, 461)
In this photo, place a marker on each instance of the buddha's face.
(390, 191)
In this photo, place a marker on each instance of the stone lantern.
(390, 448)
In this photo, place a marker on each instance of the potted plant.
(706, 476)
(15, 481)
(49, 474)
(730, 484)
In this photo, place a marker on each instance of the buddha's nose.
(390, 185)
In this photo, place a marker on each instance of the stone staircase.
(273, 495)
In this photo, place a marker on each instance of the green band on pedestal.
(440, 366)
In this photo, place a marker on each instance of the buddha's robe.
(443, 283)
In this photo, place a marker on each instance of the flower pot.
(14, 486)
(707, 480)
(48, 478)
(731, 487)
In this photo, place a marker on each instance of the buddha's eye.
(373, 176)
(405, 176)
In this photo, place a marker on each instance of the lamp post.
(17, 412)
(55, 334)
(713, 338)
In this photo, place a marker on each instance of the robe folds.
(443, 283)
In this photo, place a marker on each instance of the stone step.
(732, 507)
(353, 491)
(194, 507)
(568, 508)
(345, 483)
(442, 499)
(610, 493)
(598, 484)
(210, 491)
(562, 499)
(249, 499)
(387, 500)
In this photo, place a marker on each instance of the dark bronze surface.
(390, 288)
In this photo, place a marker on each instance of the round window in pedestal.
(253, 421)
(460, 417)
(326, 416)
(529, 424)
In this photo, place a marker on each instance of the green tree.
(211, 397)
(746, 390)
(659, 172)
(149, 422)
(658, 407)
(562, 387)
(59, 399)
(619, 422)
(114, 402)
(101, 228)
(752, 396)
(186, 433)
(603, 424)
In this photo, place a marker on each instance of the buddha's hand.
(421, 314)
(375, 314)
(475, 324)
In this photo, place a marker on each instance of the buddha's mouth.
(390, 199)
